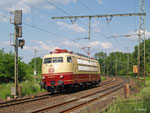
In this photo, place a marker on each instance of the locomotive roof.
(68, 54)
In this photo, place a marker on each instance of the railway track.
(76, 103)
(45, 96)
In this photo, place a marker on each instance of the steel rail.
(36, 98)
(94, 99)
(76, 99)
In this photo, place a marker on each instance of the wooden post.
(20, 90)
(126, 90)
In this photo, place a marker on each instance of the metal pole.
(100, 16)
(144, 38)
(89, 27)
(127, 60)
(141, 46)
(16, 60)
(104, 66)
(35, 63)
(116, 66)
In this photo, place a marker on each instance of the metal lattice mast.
(141, 46)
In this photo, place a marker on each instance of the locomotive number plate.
(51, 70)
(51, 76)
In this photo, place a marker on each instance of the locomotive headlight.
(61, 77)
(43, 77)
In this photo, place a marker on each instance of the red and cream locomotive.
(63, 70)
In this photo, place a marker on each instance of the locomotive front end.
(55, 71)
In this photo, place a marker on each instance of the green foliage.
(28, 88)
(103, 78)
(25, 71)
(135, 104)
(5, 90)
(118, 63)
(7, 67)
(38, 64)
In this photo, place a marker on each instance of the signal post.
(16, 19)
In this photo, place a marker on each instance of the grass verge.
(28, 88)
(103, 78)
(139, 103)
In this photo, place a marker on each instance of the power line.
(64, 12)
(70, 15)
(57, 7)
(86, 6)
(38, 28)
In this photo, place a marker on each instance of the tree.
(38, 64)
(7, 67)
(117, 62)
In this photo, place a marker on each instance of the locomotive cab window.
(69, 59)
(47, 60)
(53, 60)
(57, 59)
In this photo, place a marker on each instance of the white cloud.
(94, 44)
(11, 5)
(5, 43)
(41, 46)
(27, 48)
(134, 35)
(99, 1)
(103, 45)
(71, 44)
(147, 34)
(106, 45)
(95, 26)
(45, 46)
(74, 26)
(3, 19)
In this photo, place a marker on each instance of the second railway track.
(36, 98)
(75, 103)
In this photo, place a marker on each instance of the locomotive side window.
(47, 60)
(69, 59)
(57, 59)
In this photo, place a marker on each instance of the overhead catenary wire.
(60, 9)
(48, 14)
(38, 28)
(86, 7)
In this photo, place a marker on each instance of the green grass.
(139, 103)
(5, 90)
(103, 78)
(28, 88)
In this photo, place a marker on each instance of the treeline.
(25, 70)
(118, 63)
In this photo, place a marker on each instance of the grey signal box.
(19, 34)
(13, 91)
(18, 17)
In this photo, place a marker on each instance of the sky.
(45, 34)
